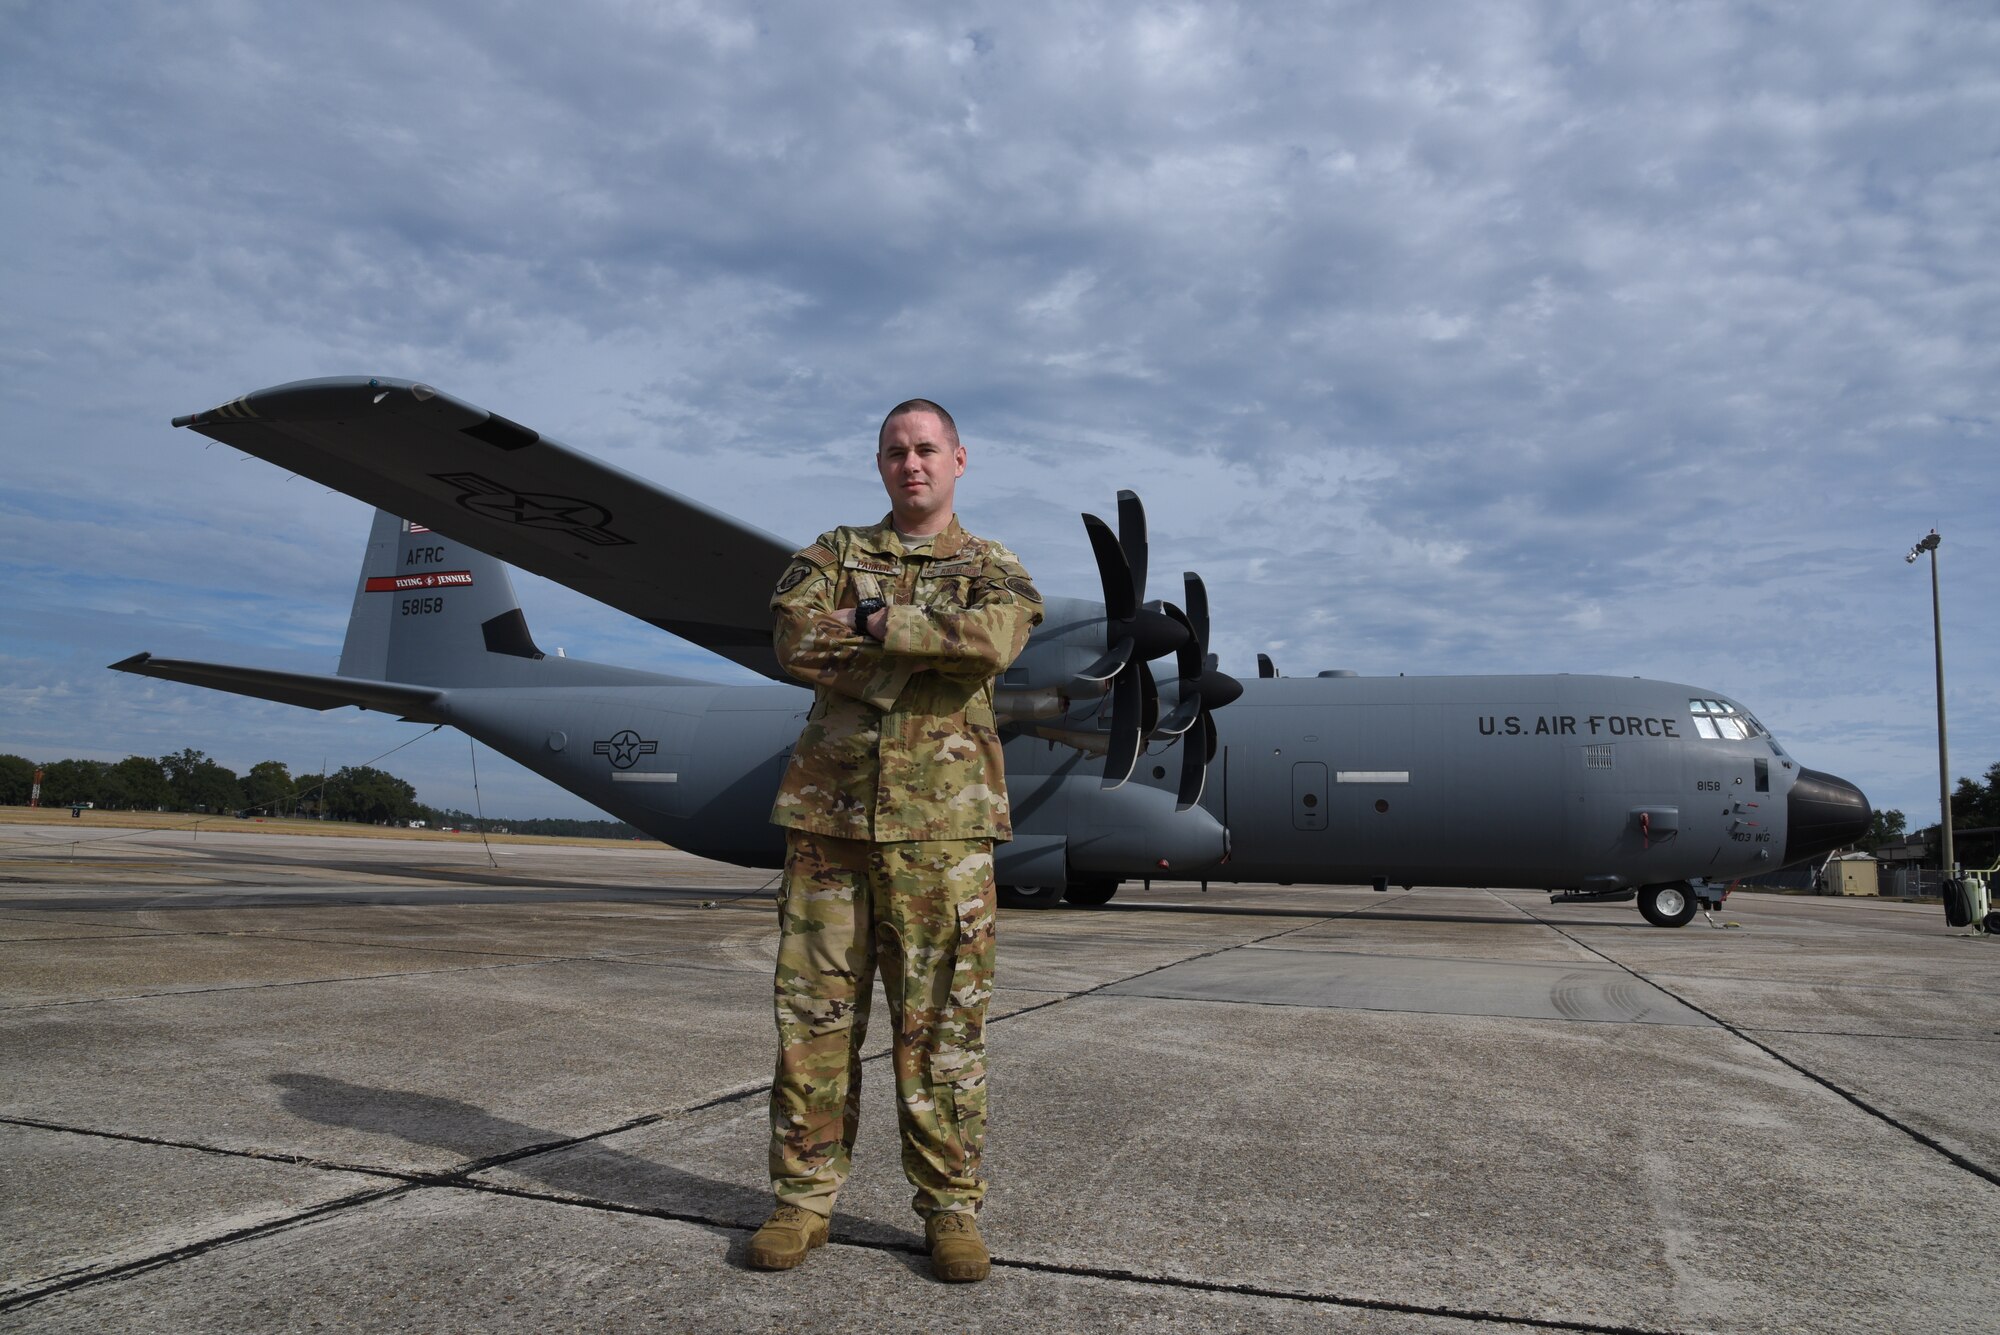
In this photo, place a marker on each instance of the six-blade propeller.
(1136, 632)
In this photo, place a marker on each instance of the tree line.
(1975, 805)
(190, 781)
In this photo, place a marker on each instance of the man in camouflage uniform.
(892, 803)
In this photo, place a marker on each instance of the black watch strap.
(864, 611)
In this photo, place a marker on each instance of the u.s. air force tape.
(1021, 586)
(795, 575)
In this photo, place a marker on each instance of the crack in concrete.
(74, 1280)
(1900, 1038)
(164, 1142)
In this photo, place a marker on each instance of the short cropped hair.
(908, 406)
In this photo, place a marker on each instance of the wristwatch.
(864, 611)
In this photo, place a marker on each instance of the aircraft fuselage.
(1530, 782)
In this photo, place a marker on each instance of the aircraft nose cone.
(1822, 813)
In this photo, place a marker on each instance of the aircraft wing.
(307, 690)
(493, 484)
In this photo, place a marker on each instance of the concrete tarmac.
(275, 1083)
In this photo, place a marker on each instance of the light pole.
(1930, 544)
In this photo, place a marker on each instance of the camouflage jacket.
(901, 742)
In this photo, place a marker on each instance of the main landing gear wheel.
(1029, 896)
(1668, 905)
(1090, 894)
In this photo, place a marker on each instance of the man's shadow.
(591, 1171)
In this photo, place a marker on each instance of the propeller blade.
(1106, 667)
(1181, 719)
(1196, 752)
(1149, 701)
(1132, 537)
(1265, 667)
(1197, 605)
(1127, 704)
(1114, 571)
(1187, 654)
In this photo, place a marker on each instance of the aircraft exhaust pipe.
(1822, 813)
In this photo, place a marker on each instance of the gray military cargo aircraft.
(1593, 788)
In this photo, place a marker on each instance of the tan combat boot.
(957, 1254)
(786, 1237)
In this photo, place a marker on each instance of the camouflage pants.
(923, 912)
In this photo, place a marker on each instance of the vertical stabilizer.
(365, 653)
(432, 611)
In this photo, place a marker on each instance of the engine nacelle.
(1070, 827)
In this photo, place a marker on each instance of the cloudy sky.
(1504, 337)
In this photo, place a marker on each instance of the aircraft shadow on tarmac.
(593, 1173)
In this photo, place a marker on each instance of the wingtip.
(132, 664)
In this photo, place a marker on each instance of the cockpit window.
(1720, 720)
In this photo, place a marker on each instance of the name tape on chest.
(873, 565)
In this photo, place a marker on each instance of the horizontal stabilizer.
(291, 688)
(513, 493)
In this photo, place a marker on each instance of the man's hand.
(878, 625)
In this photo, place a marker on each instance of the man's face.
(920, 469)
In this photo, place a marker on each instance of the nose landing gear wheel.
(1667, 905)
(1029, 896)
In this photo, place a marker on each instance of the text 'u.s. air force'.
(1567, 725)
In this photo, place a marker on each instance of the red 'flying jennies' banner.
(436, 579)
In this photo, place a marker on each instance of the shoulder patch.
(819, 554)
(1020, 584)
(796, 574)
